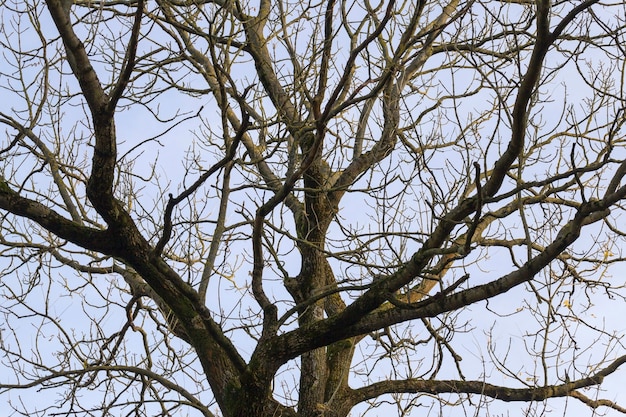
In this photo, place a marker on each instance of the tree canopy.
(301, 208)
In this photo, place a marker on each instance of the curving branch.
(174, 201)
(129, 59)
(49, 158)
(87, 237)
(434, 387)
(77, 55)
(94, 370)
(336, 328)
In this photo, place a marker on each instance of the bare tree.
(311, 208)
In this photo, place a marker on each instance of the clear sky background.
(505, 328)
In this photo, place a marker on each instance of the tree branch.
(353, 321)
(421, 386)
(174, 201)
(112, 369)
(129, 59)
(87, 237)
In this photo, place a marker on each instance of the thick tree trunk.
(324, 371)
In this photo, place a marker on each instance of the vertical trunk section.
(324, 371)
